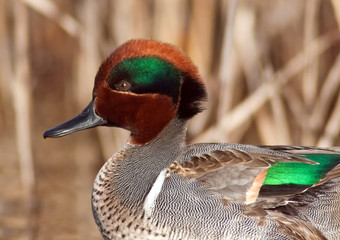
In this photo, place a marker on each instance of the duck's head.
(141, 86)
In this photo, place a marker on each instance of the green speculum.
(301, 173)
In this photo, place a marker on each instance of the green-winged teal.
(157, 187)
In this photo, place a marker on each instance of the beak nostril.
(85, 112)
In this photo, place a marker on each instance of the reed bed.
(272, 69)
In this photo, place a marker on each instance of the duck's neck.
(136, 168)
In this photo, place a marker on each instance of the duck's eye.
(123, 85)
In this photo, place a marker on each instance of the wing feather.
(237, 171)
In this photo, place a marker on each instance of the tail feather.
(319, 206)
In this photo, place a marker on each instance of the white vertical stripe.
(150, 199)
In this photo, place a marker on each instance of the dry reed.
(271, 69)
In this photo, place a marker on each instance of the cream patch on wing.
(254, 190)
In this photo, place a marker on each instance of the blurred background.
(272, 69)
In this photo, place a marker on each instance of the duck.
(159, 187)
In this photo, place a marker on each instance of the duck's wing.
(263, 175)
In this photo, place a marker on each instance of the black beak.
(86, 119)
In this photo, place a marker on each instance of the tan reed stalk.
(199, 46)
(225, 70)
(310, 74)
(244, 110)
(22, 99)
(85, 152)
(336, 7)
(332, 129)
(50, 10)
(326, 96)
